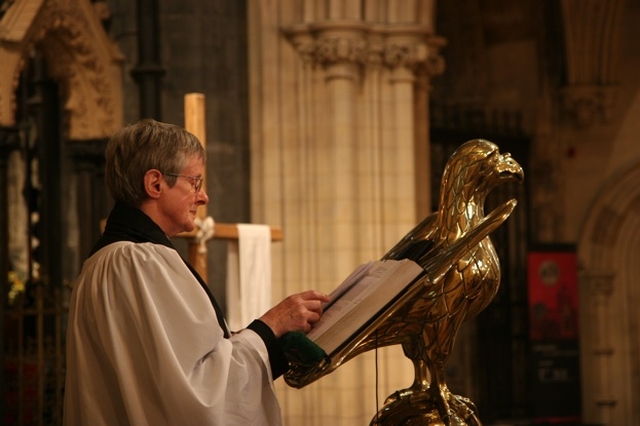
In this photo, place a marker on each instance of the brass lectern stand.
(462, 275)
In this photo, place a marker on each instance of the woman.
(146, 340)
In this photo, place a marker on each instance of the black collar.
(127, 223)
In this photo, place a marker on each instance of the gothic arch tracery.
(79, 55)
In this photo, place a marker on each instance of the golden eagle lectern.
(462, 277)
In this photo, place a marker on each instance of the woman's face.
(179, 203)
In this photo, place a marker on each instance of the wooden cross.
(194, 116)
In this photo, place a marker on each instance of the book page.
(349, 282)
(376, 285)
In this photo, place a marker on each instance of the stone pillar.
(600, 285)
(340, 49)
(402, 53)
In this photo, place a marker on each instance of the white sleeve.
(145, 347)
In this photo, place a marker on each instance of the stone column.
(405, 52)
(600, 285)
(340, 49)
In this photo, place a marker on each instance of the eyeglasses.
(196, 181)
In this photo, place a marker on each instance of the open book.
(363, 294)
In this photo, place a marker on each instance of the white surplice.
(144, 347)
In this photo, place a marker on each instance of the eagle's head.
(476, 167)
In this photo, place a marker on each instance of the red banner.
(553, 315)
(553, 296)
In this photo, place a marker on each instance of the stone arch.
(610, 291)
(80, 56)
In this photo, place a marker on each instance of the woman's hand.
(297, 312)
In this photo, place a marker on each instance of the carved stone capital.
(330, 50)
(369, 45)
(586, 105)
(329, 43)
(302, 41)
(415, 53)
(435, 63)
(405, 55)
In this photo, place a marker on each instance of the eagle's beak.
(509, 169)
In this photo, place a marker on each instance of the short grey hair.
(142, 146)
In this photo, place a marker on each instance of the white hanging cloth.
(248, 286)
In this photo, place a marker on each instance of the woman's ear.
(153, 180)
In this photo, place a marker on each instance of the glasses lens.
(196, 181)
